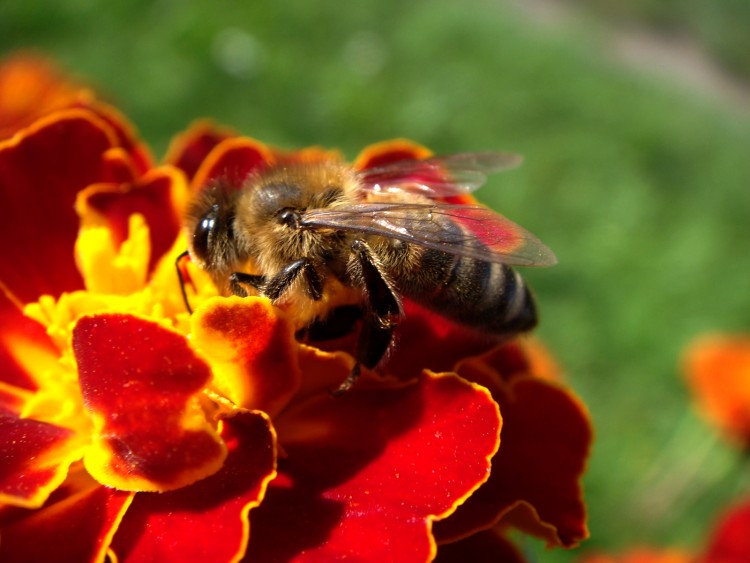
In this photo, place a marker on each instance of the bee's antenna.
(182, 280)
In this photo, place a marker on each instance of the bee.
(313, 234)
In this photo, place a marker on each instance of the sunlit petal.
(141, 385)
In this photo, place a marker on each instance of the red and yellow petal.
(717, 369)
(78, 528)
(138, 155)
(35, 459)
(206, 521)
(367, 473)
(41, 171)
(251, 348)
(31, 86)
(388, 152)
(189, 149)
(536, 476)
(142, 385)
(13, 399)
(26, 352)
(159, 196)
(232, 160)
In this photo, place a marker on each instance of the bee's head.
(269, 228)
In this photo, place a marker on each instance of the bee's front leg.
(279, 283)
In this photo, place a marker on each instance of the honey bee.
(304, 234)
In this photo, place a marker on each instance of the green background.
(637, 179)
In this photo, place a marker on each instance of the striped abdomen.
(490, 297)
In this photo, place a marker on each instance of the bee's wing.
(439, 176)
(449, 228)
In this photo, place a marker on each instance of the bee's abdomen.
(488, 296)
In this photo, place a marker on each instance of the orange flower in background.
(717, 370)
(643, 555)
(728, 542)
(30, 87)
(130, 427)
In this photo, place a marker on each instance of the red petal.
(206, 521)
(730, 542)
(30, 87)
(189, 149)
(366, 473)
(138, 153)
(41, 171)
(387, 152)
(232, 161)
(484, 547)
(449, 343)
(522, 356)
(141, 383)
(119, 166)
(158, 196)
(36, 457)
(718, 371)
(536, 474)
(252, 350)
(78, 528)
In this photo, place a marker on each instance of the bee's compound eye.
(204, 231)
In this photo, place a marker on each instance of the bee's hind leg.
(382, 314)
(372, 345)
(338, 323)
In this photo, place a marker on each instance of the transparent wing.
(464, 230)
(440, 176)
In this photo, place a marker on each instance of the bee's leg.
(338, 323)
(238, 281)
(383, 312)
(367, 272)
(277, 285)
(372, 344)
(182, 280)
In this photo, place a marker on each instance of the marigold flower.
(643, 555)
(730, 539)
(131, 428)
(717, 369)
(728, 542)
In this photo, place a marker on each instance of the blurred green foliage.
(721, 26)
(639, 186)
